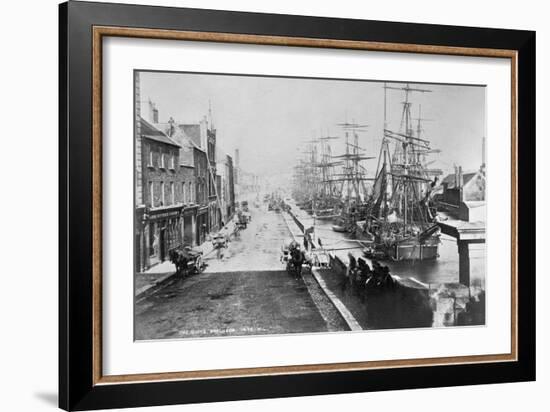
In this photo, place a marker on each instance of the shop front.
(189, 225)
(161, 233)
(202, 225)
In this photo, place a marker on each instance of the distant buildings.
(245, 183)
(463, 195)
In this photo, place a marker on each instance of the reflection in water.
(445, 268)
(441, 270)
(398, 307)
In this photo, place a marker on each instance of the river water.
(432, 272)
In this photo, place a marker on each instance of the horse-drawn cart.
(320, 258)
(188, 261)
(293, 258)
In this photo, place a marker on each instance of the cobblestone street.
(247, 292)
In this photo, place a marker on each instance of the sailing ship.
(306, 180)
(315, 190)
(328, 194)
(400, 224)
(353, 180)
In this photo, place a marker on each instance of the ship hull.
(339, 229)
(413, 251)
(324, 217)
(408, 249)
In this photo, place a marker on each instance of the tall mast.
(406, 165)
(347, 167)
(385, 122)
(384, 146)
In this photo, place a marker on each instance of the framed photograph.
(256, 206)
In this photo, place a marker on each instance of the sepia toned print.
(274, 205)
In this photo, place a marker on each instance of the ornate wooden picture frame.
(82, 383)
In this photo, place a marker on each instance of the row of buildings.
(184, 184)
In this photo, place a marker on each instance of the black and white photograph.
(274, 206)
(270, 205)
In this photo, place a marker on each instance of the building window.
(161, 160)
(161, 193)
(150, 164)
(151, 195)
(191, 194)
(172, 162)
(183, 197)
(172, 193)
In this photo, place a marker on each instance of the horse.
(294, 265)
(186, 261)
(179, 258)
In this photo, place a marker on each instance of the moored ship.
(401, 222)
(353, 179)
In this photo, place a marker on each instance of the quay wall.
(447, 304)
(400, 306)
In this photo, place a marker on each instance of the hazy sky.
(269, 119)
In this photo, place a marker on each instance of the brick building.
(214, 208)
(187, 186)
(230, 184)
(189, 136)
(188, 181)
(195, 141)
(178, 188)
(159, 218)
(226, 190)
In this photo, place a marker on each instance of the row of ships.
(389, 210)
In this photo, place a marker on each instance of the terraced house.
(159, 219)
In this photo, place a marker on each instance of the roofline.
(170, 143)
(198, 148)
(152, 126)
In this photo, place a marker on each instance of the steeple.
(210, 118)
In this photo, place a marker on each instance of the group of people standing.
(360, 276)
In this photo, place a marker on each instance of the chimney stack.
(456, 176)
(152, 113)
(210, 119)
